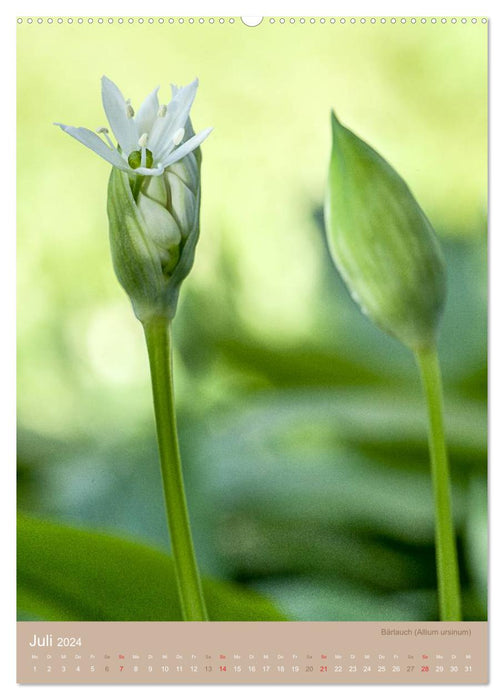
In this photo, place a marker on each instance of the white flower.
(148, 142)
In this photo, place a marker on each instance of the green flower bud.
(153, 233)
(382, 242)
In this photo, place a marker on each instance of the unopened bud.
(382, 243)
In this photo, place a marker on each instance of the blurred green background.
(302, 427)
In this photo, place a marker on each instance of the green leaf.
(70, 574)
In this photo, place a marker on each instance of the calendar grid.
(252, 652)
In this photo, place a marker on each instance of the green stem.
(446, 553)
(158, 337)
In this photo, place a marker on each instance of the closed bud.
(382, 242)
(153, 233)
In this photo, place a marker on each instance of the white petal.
(163, 229)
(155, 189)
(147, 114)
(184, 97)
(160, 132)
(94, 142)
(185, 148)
(124, 127)
(176, 118)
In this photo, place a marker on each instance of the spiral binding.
(231, 20)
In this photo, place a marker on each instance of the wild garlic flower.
(154, 194)
(149, 141)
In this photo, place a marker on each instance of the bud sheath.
(154, 228)
(382, 242)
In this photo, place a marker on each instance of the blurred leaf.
(261, 546)
(299, 366)
(290, 453)
(340, 347)
(476, 536)
(327, 600)
(113, 484)
(286, 490)
(70, 574)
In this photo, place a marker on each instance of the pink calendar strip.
(252, 652)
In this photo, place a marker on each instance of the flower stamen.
(103, 130)
(162, 111)
(178, 136)
(142, 142)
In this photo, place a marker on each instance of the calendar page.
(252, 350)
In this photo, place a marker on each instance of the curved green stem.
(446, 552)
(158, 337)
